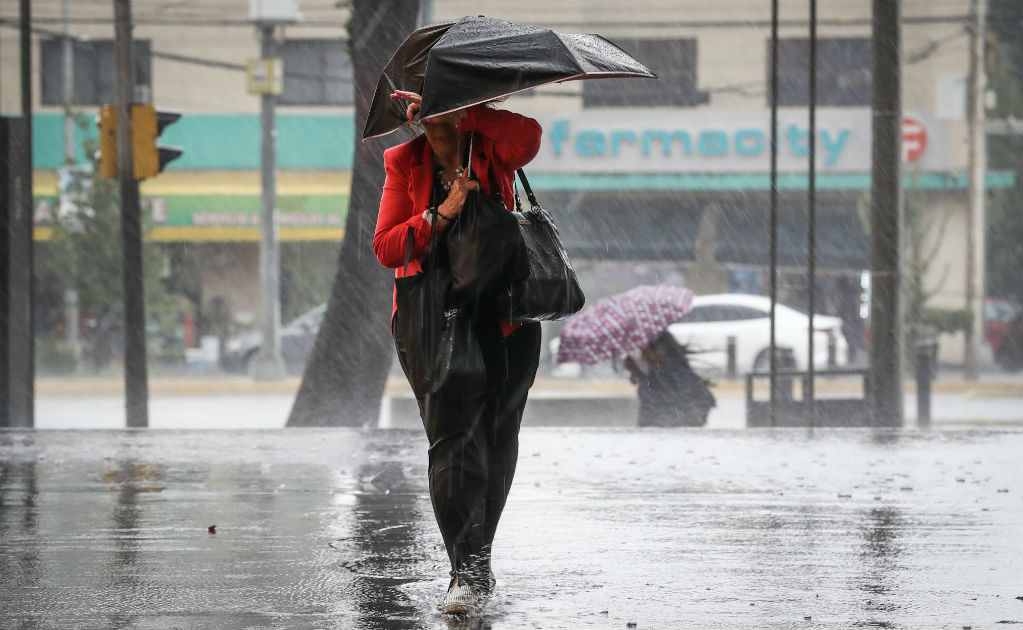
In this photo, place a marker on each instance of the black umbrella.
(477, 59)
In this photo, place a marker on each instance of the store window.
(744, 228)
(625, 224)
(672, 60)
(843, 72)
(94, 71)
(316, 72)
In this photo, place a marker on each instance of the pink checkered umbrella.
(623, 323)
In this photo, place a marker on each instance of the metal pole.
(70, 296)
(25, 31)
(774, 204)
(136, 380)
(19, 394)
(731, 351)
(886, 218)
(71, 317)
(268, 364)
(925, 351)
(6, 196)
(811, 204)
(976, 221)
(69, 86)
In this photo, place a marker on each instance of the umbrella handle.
(468, 167)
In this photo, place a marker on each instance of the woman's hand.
(460, 187)
(412, 111)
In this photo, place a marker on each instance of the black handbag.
(485, 248)
(551, 289)
(442, 352)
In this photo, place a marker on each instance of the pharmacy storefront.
(692, 187)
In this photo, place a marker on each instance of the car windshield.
(723, 312)
(998, 311)
(309, 319)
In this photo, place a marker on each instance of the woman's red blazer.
(505, 139)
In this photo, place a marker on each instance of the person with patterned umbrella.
(633, 325)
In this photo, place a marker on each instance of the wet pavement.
(605, 528)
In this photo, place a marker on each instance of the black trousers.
(474, 445)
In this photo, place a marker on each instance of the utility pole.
(17, 350)
(975, 225)
(772, 407)
(70, 296)
(268, 364)
(811, 231)
(136, 380)
(69, 86)
(886, 218)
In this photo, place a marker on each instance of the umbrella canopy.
(477, 59)
(623, 323)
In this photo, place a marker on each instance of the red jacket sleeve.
(397, 215)
(516, 137)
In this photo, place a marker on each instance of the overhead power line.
(176, 21)
(172, 21)
(188, 59)
(750, 89)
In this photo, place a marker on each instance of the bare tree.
(347, 370)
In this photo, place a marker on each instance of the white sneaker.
(461, 599)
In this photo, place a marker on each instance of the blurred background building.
(651, 181)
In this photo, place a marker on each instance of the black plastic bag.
(442, 351)
(551, 289)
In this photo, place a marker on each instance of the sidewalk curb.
(218, 386)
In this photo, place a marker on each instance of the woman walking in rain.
(473, 442)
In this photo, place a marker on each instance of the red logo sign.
(914, 139)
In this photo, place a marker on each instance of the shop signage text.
(703, 141)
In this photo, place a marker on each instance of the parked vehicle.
(1010, 351)
(715, 318)
(997, 315)
(297, 339)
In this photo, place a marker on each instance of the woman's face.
(442, 131)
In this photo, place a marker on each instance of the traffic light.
(147, 123)
(107, 154)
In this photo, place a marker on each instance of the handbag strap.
(529, 192)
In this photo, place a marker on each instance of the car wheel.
(1007, 361)
(763, 361)
(247, 361)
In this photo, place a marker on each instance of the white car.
(715, 318)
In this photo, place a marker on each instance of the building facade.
(650, 181)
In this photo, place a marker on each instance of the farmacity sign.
(665, 141)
